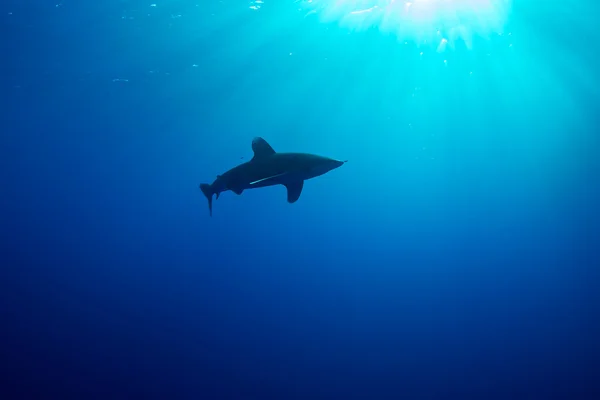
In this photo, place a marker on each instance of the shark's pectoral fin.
(294, 190)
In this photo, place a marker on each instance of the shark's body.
(268, 168)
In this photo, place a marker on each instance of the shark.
(268, 168)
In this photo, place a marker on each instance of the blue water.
(454, 256)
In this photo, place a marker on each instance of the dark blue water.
(455, 255)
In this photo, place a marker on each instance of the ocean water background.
(455, 255)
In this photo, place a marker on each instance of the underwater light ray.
(420, 21)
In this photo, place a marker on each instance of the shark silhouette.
(268, 168)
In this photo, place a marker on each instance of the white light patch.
(438, 23)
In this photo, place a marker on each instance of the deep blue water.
(455, 255)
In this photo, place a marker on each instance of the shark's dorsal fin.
(261, 148)
(294, 190)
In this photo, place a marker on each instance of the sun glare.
(438, 23)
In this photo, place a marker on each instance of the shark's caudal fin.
(207, 190)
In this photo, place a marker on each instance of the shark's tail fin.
(207, 190)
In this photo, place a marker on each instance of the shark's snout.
(325, 166)
(337, 164)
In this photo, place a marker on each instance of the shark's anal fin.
(261, 148)
(237, 190)
(294, 190)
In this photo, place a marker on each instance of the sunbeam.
(438, 23)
